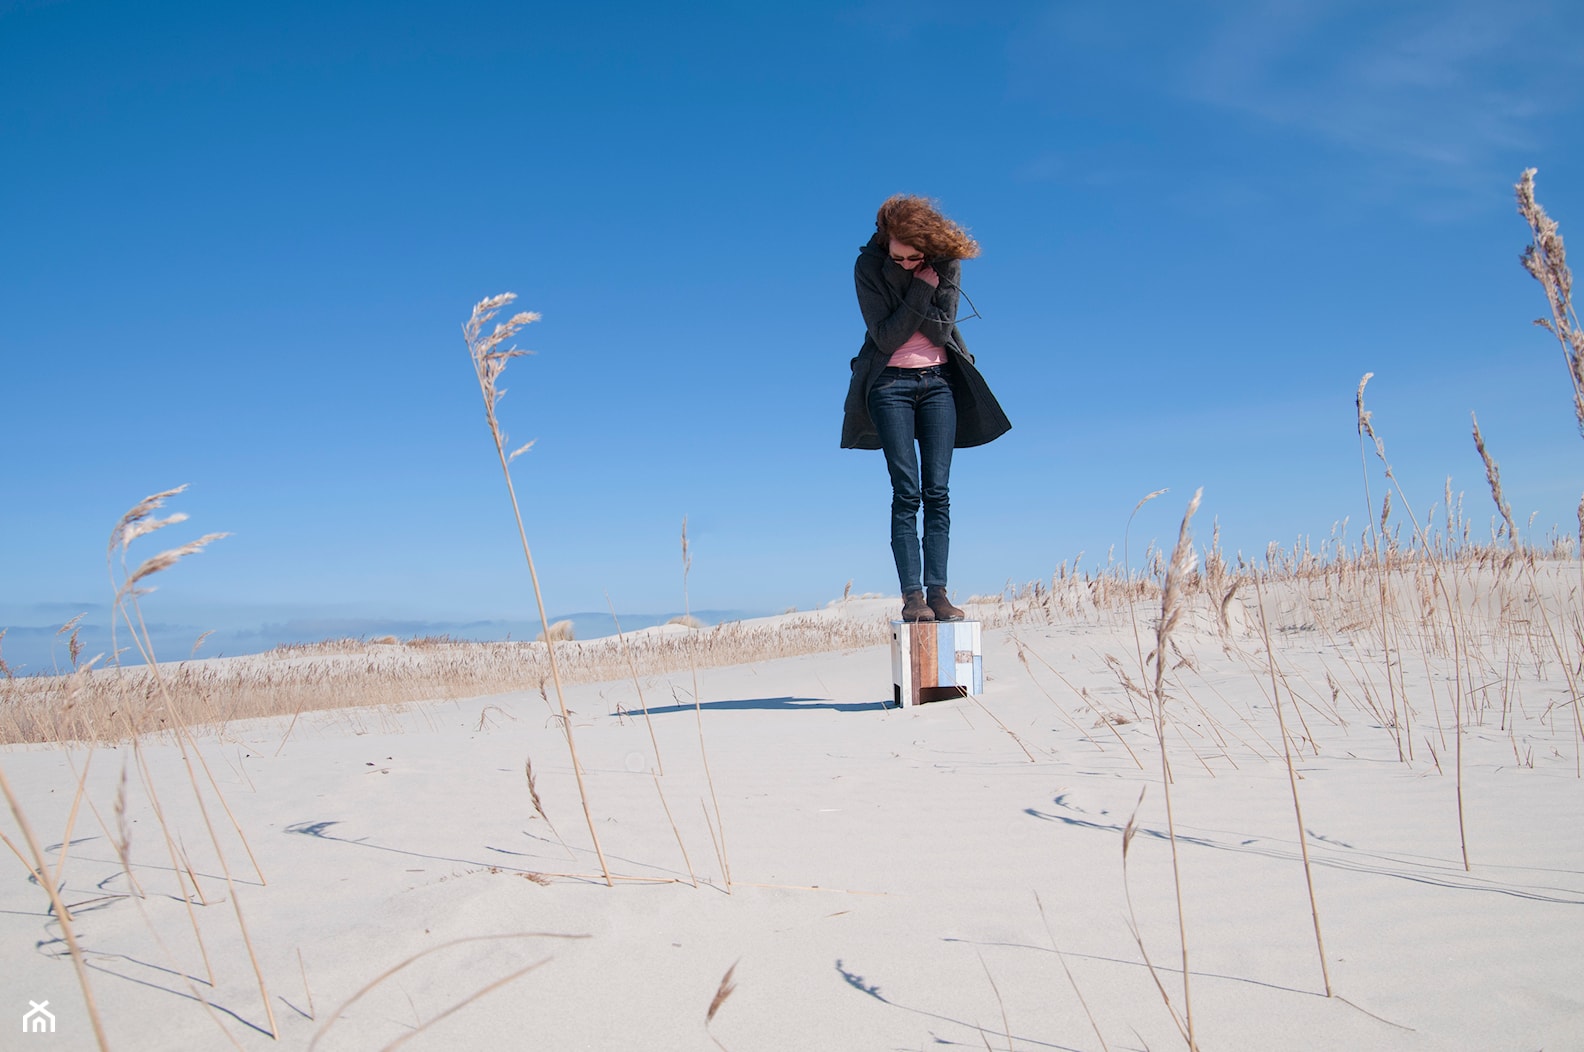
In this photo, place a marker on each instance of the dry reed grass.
(111, 705)
(1292, 781)
(489, 362)
(727, 987)
(1178, 573)
(1508, 610)
(1337, 590)
(718, 828)
(560, 632)
(1546, 261)
(131, 583)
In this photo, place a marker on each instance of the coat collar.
(878, 252)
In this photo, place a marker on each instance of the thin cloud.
(1447, 87)
(1435, 104)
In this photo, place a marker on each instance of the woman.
(915, 392)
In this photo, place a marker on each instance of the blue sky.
(237, 244)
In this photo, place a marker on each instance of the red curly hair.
(916, 221)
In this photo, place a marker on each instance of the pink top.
(918, 353)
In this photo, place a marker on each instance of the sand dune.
(991, 871)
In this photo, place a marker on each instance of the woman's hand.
(926, 273)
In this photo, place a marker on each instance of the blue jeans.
(916, 416)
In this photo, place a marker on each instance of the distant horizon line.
(29, 650)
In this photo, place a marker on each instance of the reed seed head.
(1493, 476)
(135, 523)
(726, 989)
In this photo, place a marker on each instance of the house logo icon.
(39, 1020)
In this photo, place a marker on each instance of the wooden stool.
(935, 660)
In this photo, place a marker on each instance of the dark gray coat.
(895, 305)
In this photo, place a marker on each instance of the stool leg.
(925, 661)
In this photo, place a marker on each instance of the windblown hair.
(916, 221)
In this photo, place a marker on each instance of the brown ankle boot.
(915, 609)
(941, 606)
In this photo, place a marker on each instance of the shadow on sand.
(784, 704)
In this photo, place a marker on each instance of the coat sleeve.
(891, 323)
(942, 308)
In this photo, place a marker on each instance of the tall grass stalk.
(1459, 644)
(633, 668)
(1127, 531)
(1459, 655)
(1400, 730)
(1493, 479)
(1545, 259)
(121, 841)
(1023, 650)
(1006, 1023)
(178, 866)
(137, 522)
(692, 876)
(38, 868)
(698, 715)
(489, 361)
(335, 1016)
(1082, 1003)
(78, 796)
(1129, 831)
(1172, 603)
(1292, 781)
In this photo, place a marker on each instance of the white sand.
(884, 866)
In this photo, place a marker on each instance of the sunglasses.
(917, 257)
